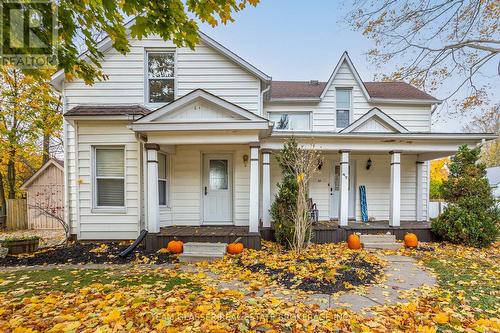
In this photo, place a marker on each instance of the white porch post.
(395, 205)
(419, 192)
(253, 214)
(152, 198)
(344, 187)
(266, 189)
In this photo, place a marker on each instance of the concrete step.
(198, 247)
(383, 238)
(198, 257)
(197, 251)
(382, 246)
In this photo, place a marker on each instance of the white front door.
(335, 190)
(217, 189)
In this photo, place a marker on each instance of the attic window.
(160, 76)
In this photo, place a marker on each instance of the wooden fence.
(17, 214)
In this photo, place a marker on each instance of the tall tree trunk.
(3, 202)
(11, 174)
(46, 148)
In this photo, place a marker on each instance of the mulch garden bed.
(86, 253)
(353, 272)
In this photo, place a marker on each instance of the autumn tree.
(79, 22)
(439, 173)
(433, 43)
(27, 113)
(488, 121)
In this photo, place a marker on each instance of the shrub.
(471, 217)
(285, 201)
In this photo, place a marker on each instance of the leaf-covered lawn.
(138, 299)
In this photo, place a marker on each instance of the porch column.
(395, 201)
(253, 214)
(266, 189)
(152, 198)
(419, 192)
(344, 188)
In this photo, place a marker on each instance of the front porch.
(324, 232)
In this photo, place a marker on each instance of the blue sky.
(303, 40)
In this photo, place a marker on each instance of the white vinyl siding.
(201, 68)
(186, 189)
(376, 181)
(98, 223)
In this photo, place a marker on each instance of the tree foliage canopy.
(81, 23)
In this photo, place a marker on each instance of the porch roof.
(200, 111)
(427, 146)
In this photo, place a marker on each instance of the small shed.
(45, 193)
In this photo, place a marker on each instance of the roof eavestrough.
(379, 116)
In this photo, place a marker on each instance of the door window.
(217, 175)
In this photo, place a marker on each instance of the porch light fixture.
(245, 160)
(320, 165)
(368, 164)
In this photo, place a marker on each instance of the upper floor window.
(291, 121)
(160, 76)
(163, 179)
(343, 101)
(109, 176)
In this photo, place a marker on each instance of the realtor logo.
(28, 33)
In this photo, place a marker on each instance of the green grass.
(27, 283)
(475, 282)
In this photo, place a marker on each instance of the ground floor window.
(109, 176)
(163, 179)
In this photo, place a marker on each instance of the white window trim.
(108, 209)
(337, 88)
(293, 113)
(167, 180)
(146, 74)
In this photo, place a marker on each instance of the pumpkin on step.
(353, 242)
(175, 246)
(411, 240)
(235, 247)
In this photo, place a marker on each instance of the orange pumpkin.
(353, 242)
(235, 247)
(411, 240)
(175, 246)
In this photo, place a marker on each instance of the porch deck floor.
(201, 231)
(355, 225)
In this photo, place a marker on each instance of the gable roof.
(57, 163)
(396, 89)
(108, 110)
(377, 114)
(106, 43)
(345, 58)
(243, 119)
(196, 95)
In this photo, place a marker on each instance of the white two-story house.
(181, 137)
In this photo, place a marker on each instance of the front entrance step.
(197, 251)
(382, 246)
(383, 238)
